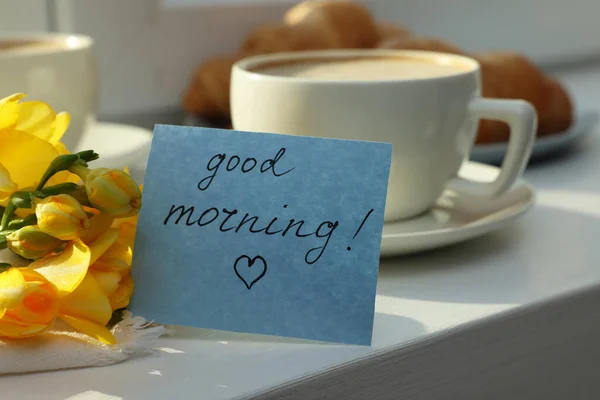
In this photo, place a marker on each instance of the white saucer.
(118, 145)
(457, 216)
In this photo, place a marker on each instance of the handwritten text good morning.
(234, 220)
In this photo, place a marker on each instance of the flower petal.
(120, 298)
(36, 118)
(17, 330)
(92, 329)
(6, 183)
(9, 110)
(12, 289)
(67, 269)
(133, 220)
(61, 148)
(13, 98)
(87, 302)
(103, 243)
(88, 310)
(62, 177)
(99, 223)
(61, 123)
(128, 228)
(25, 156)
(23, 212)
(107, 280)
(122, 249)
(40, 305)
(36, 308)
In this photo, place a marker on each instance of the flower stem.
(61, 188)
(79, 170)
(66, 162)
(81, 196)
(60, 163)
(10, 209)
(16, 224)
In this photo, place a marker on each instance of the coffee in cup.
(54, 68)
(426, 104)
(361, 68)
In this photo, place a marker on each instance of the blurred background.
(148, 50)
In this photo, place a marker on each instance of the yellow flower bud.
(31, 243)
(113, 192)
(61, 216)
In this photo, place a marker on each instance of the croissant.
(557, 109)
(208, 93)
(388, 30)
(344, 23)
(419, 43)
(510, 75)
(284, 38)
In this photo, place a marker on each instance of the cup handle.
(522, 121)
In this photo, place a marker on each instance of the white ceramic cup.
(54, 68)
(430, 122)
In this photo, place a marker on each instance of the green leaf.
(5, 267)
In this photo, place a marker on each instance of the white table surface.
(532, 285)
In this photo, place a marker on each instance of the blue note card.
(261, 233)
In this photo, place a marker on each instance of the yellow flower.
(31, 243)
(82, 303)
(81, 272)
(99, 223)
(61, 216)
(113, 267)
(34, 117)
(7, 186)
(29, 304)
(30, 134)
(90, 280)
(120, 298)
(88, 310)
(111, 191)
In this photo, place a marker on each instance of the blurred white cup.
(58, 69)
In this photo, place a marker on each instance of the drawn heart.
(245, 269)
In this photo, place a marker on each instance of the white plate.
(544, 146)
(119, 145)
(457, 216)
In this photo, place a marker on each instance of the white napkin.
(62, 347)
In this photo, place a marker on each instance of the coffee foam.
(30, 46)
(373, 68)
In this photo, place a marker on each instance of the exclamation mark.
(360, 227)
